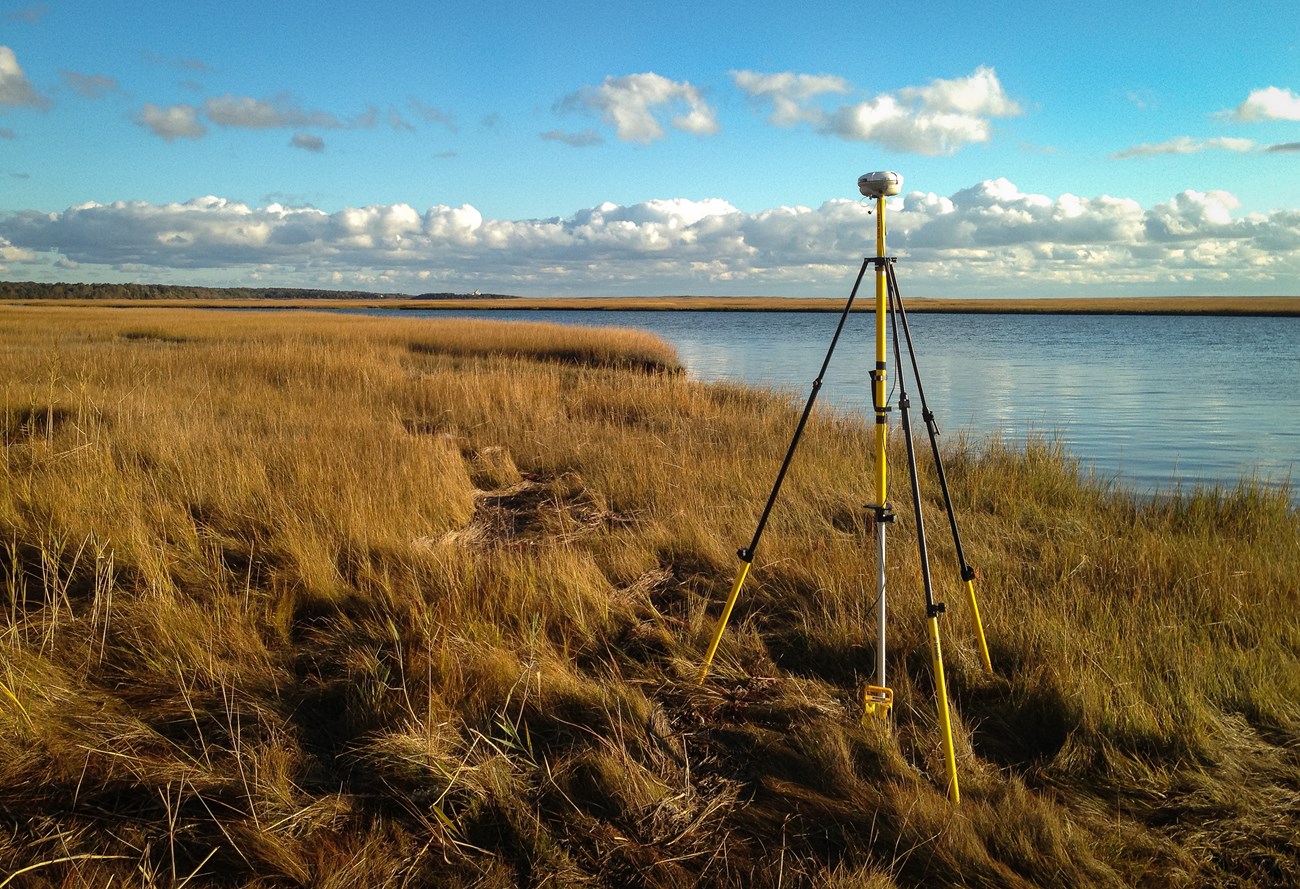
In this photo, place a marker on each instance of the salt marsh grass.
(321, 600)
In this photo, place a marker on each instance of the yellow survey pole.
(878, 395)
(879, 380)
(878, 699)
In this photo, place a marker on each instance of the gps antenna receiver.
(881, 184)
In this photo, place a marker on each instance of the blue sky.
(605, 149)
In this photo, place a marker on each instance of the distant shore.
(1265, 306)
(1279, 306)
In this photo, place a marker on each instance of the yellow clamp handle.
(877, 701)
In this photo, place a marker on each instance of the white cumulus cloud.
(259, 114)
(172, 122)
(789, 93)
(631, 104)
(583, 139)
(432, 114)
(1186, 145)
(989, 238)
(14, 86)
(1196, 213)
(979, 95)
(935, 119)
(28, 15)
(239, 112)
(995, 214)
(1270, 103)
(90, 86)
(249, 113)
(307, 142)
(10, 253)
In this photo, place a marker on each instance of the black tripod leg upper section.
(932, 608)
(747, 553)
(931, 425)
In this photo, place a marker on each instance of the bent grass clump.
(323, 600)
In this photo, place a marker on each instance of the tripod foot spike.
(979, 626)
(945, 716)
(722, 621)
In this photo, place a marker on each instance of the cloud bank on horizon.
(1170, 211)
(985, 239)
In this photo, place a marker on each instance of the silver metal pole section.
(880, 604)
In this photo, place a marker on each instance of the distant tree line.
(34, 290)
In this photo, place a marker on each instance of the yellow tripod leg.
(979, 626)
(4, 690)
(945, 718)
(722, 621)
(747, 554)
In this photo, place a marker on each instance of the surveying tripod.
(878, 697)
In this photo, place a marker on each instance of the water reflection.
(1150, 401)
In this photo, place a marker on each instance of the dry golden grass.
(315, 600)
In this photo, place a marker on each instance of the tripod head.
(881, 184)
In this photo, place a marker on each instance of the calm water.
(1149, 401)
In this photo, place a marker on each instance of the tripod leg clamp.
(881, 407)
(879, 514)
